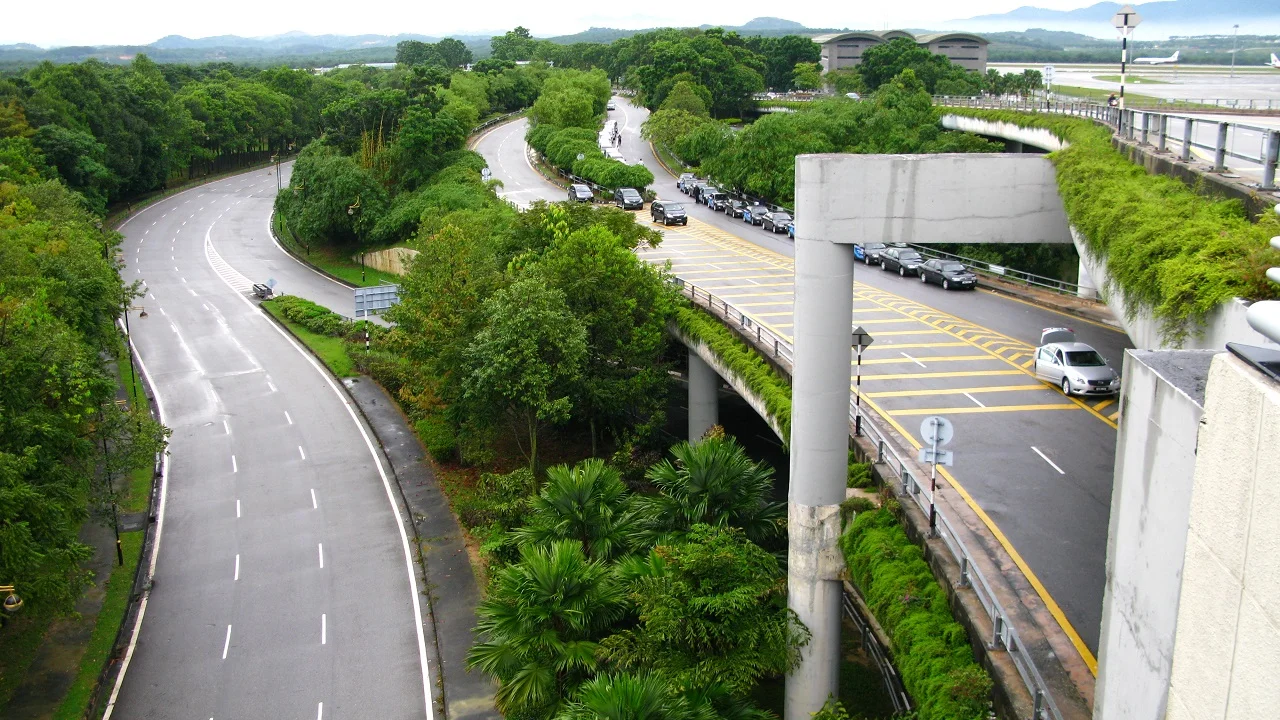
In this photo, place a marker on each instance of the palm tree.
(627, 697)
(540, 622)
(713, 482)
(588, 504)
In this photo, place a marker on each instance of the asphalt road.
(506, 152)
(1039, 465)
(284, 585)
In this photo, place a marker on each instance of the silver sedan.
(1073, 366)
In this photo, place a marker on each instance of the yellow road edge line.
(1041, 590)
(929, 358)
(956, 391)
(956, 373)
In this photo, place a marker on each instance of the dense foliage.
(760, 160)
(931, 650)
(565, 126)
(65, 445)
(1170, 249)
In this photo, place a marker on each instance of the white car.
(1073, 366)
(612, 105)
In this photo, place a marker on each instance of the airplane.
(1275, 61)
(1157, 61)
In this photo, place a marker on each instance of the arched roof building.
(842, 50)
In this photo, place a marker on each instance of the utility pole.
(1125, 20)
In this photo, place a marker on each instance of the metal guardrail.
(1165, 132)
(495, 121)
(879, 656)
(1004, 634)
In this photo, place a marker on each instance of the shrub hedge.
(930, 648)
(562, 146)
(758, 375)
(1171, 250)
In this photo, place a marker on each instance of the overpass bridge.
(1034, 468)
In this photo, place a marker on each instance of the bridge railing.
(1165, 132)
(892, 453)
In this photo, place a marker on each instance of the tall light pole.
(1235, 30)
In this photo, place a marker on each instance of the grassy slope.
(76, 702)
(332, 261)
(330, 350)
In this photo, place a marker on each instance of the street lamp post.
(1125, 20)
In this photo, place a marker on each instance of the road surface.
(284, 585)
(1037, 464)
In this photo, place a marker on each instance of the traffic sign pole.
(861, 339)
(1125, 20)
(936, 431)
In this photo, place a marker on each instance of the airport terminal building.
(844, 50)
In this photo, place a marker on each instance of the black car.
(948, 273)
(691, 188)
(668, 213)
(580, 193)
(734, 208)
(905, 261)
(775, 222)
(628, 199)
(714, 198)
(700, 190)
(868, 252)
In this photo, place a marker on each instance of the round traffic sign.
(936, 430)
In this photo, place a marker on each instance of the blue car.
(868, 253)
(791, 230)
(754, 214)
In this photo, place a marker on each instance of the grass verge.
(20, 638)
(138, 494)
(1135, 79)
(330, 350)
(76, 702)
(330, 260)
(1131, 100)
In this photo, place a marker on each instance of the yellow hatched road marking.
(1029, 363)
(921, 331)
(1103, 404)
(703, 277)
(1114, 415)
(884, 346)
(955, 391)
(927, 359)
(769, 314)
(973, 409)
(956, 373)
(756, 294)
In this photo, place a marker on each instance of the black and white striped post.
(1125, 20)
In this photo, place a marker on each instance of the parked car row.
(625, 198)
(705, 193)
(898, 257)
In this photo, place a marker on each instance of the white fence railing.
(1250, 144)
(892, 453)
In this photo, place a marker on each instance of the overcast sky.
(139, 22)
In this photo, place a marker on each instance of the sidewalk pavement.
(450, 584)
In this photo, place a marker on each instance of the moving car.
(734, 208)
(868, 252)
(580, 193)
(906, 262)
(668, 213)
(775, 222)
(947, 273)
(754, 214)
(628, 199)
(1073, 366)
(612, 105)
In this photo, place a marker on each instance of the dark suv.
(628, 199)
(668, 213)
(580, 193)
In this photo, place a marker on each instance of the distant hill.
(767, 26)
(294, 48)
(1159, 19)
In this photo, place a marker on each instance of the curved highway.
(1036, 465)
(284, 584)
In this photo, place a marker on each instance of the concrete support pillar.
(1087, 290)
(1014, 146)
(819, 438)
(704, 396)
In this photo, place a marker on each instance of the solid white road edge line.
(382, 473)
(155, 550)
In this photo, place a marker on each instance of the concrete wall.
(1227, 653)
(987, 198)
(1150, 503)
(392, 260)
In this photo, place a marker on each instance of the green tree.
(514, 45)
(416, 52)
(712, 482)
(541, 622)
(846, 80)
(453, 52)
(526, 359)
(626, 696)
(587, 504)
(564, 108)
(807, 76)
(712, 610)
(688, 97)
(331, 198)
